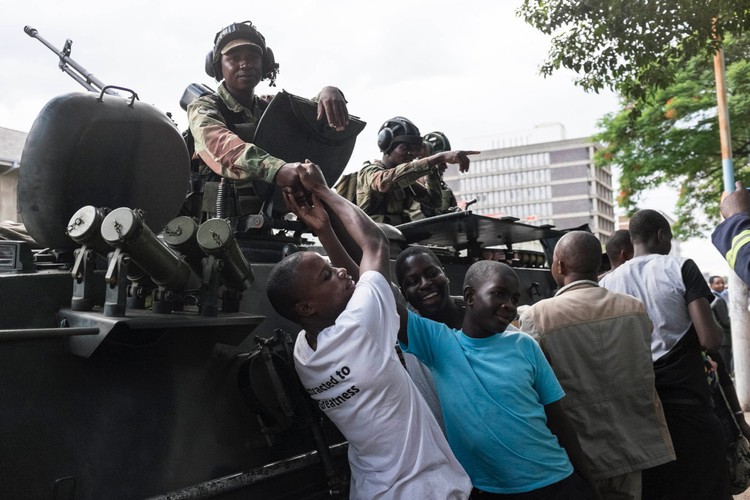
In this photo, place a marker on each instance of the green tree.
(672, 137)
(630, 45)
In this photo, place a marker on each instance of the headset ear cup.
(385, 138)
(270, 66)
(209, 65)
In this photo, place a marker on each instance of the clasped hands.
(303, 198)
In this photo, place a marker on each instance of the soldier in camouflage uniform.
(223, 124)
(436, 142)
(387, 188)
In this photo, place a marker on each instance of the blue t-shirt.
(493, 391)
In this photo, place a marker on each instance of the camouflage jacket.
(385, 194)
(227, 153)
(419, 211)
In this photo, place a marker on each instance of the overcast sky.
(466, 68)
(469, 69)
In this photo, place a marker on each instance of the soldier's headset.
(397, 129)
(437, 141)
(246, 31)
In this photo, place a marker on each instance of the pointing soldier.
(386, 188)
(436, 142)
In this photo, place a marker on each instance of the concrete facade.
(552, 183)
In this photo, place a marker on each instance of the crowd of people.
(601, 391)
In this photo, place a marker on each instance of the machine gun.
(69, 66)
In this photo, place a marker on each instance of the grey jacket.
(598, 343)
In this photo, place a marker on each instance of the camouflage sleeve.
(223, 151)
(387, 179)
(433, 196)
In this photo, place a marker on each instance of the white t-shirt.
(396, 449)
(657, 281)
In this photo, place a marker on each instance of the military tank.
(139, 356)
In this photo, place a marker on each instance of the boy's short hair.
(479, 271)
(281, 286)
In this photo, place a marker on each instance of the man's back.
(598, 343)
(666, 285)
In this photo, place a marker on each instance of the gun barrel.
(78, 72)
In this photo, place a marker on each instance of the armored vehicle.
(139, 356)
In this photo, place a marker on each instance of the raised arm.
(738, 201)
(316, 218)
(404, 175)
(732, 236)
(223, 150)
(357, 225)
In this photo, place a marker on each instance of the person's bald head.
(577, 256)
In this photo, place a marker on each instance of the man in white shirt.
(346, 360)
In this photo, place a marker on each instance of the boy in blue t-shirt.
(500, 397)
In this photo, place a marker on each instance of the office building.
(553, 183)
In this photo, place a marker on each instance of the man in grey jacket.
(598, 344)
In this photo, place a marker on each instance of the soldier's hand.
(332, 108)
(459, 156)
(737, 201)
(311, 176)
(287, 176)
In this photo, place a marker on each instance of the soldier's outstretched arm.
(459, 157)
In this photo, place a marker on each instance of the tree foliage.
(629, 46)
(673, 138)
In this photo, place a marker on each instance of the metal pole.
(738, 294)
(725, 132)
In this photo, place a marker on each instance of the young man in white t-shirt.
(346, 360)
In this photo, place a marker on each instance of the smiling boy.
(500, 398)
